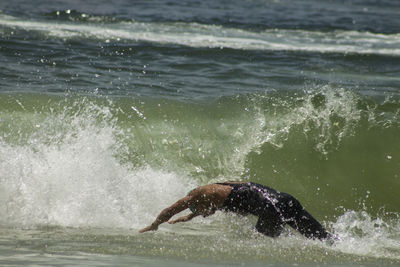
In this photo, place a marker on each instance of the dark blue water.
(198, 49)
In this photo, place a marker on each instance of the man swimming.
(274, 209)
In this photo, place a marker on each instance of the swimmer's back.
(249, 197)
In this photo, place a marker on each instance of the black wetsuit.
(274, 209)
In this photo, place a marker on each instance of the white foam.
(76, 180)
(212, 36)
(360, 234)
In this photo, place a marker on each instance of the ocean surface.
(112, 110)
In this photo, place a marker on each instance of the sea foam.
(75, 179)
(215, 36)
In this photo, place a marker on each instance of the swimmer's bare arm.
(184, 218)
(167, 213)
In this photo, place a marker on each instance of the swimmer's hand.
(151, 227)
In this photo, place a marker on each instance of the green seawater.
(80, 175)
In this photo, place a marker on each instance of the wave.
(328, 141)
(58, 166)
(208, 36)
(115, 163)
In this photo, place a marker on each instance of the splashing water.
(361, 234)
(74, 179)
